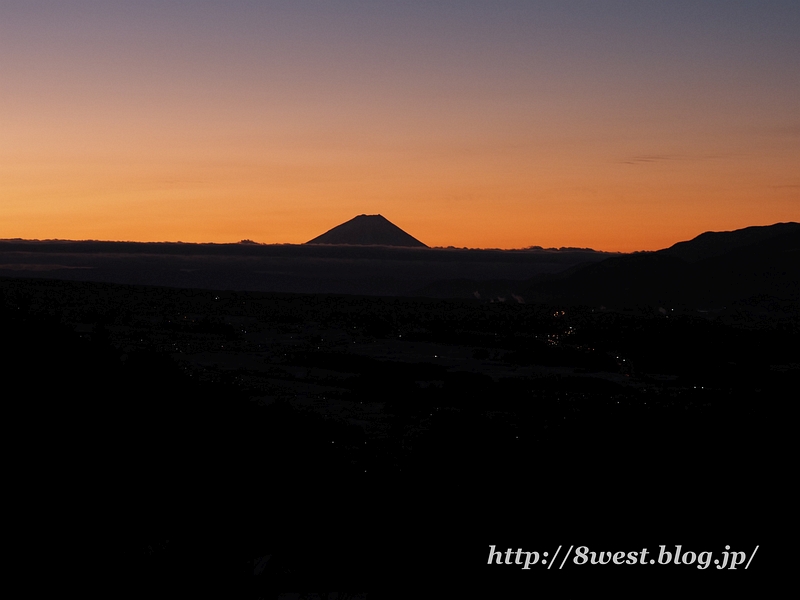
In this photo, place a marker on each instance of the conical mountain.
(368, 230)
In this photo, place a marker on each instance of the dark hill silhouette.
(714, 269)
(717, 243)
(754, 266)
(368, 230)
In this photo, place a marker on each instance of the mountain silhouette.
(758, 266)
(716, 243)
(715, 268)
(368, 230)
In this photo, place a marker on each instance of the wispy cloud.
(648, 158)
(643, 159)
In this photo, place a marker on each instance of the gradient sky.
(612, 125)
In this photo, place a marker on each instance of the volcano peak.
(368, 230)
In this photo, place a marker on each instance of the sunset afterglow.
(617, 126)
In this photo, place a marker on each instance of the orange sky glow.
(470, 128)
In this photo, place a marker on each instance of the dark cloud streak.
(648, 158)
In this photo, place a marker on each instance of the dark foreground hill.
(717, 243)
(756, 269)
(713, 271)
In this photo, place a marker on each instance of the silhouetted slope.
(770, 267)
(717, 243)
(712, 269)
(367, 230)
(646, 277)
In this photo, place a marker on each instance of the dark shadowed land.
(308, 269)
(379, 444)
(710, 271)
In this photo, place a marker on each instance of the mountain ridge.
(715, 243)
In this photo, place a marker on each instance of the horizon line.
(247, 241)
